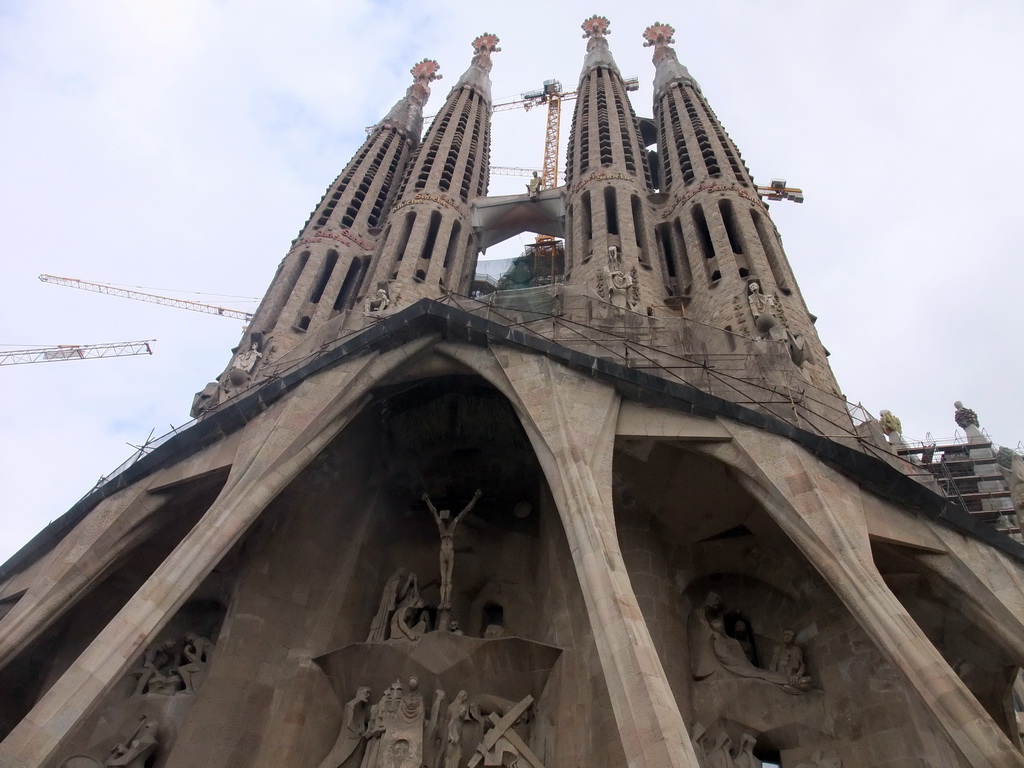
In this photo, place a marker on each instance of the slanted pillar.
(273, 450)
(821, 513)
(571, 421)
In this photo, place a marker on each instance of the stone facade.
(545, 531)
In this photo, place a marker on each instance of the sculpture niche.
(715, 653)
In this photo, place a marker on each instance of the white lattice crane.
(75, 352)
(152, 298)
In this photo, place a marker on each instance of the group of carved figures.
(173, 666)
(770, 322)
(713, 650)
(403, 613)
(715, 750)
(399, 732)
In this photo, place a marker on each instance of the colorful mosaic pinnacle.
(486, 43)
(596, 27)
(659, 35)
(425, 71)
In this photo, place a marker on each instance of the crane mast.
(75, 352)
(152, 298)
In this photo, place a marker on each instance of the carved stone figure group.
(615, 285)
(718, 752)
(403, 613)
(169, 666)
(714, 651)
(399, 732)
(770, 322)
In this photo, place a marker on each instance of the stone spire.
(720, 253)
(321, 274)
(595, 29)
(478, 75)
(608, 246)
(407, 114)
(668, 70)
(428, 245)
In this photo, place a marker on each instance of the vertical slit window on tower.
(685, 273)
(343, 300)
(403, 241)
(729, 219)
(325, 276)
(705, 244)
(587, 222)
(431, 240)
(771, 253)
(667, 251)
(638, 229)
(611, 211)
(453, 244)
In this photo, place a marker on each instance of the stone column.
(84, 557)
(821, 512)
(571, 421)
(274, 448)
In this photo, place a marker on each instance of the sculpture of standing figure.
(762, 307)
(446, 526)
(353, 728)
(745, 757)
(619, 284)
(788, 658)
(533, 186)
(379, 301)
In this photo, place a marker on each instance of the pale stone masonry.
(675, 550)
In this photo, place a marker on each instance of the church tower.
(721, 255)
(322, 273)
(428, 247)
(623, 519)
(607, 183)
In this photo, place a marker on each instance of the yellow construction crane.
(75, 352)
(779, 191)
(552, 95)
(152, 298)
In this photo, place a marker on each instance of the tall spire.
(321, 275)
(595, 29)
(428, 246)
(407, 114)
(478, 75)
(668, 70)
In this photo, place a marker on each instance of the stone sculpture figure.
(699, 737)
(764, 309)
(720, 755)
(353, 729)
(533, 186)
(157, 664)
(401, 743)
(788, 658)
(458, 713)
(401, 588)
(745, 756)
(197, 652)
(379, 301)
(381, 714)
(616, 285)
(134, 751)
(446, 527)
(742, 635)
(243, 365)
(433, 740)
(404, 625)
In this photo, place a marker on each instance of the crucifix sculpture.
(446, 526)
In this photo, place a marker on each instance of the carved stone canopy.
(659, 35)
(596, 27)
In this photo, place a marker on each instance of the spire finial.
(425, 72)
(659, 35)
(486, 44)
(596, 27)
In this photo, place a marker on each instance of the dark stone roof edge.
(426, 316)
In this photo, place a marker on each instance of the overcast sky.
(182, 145)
